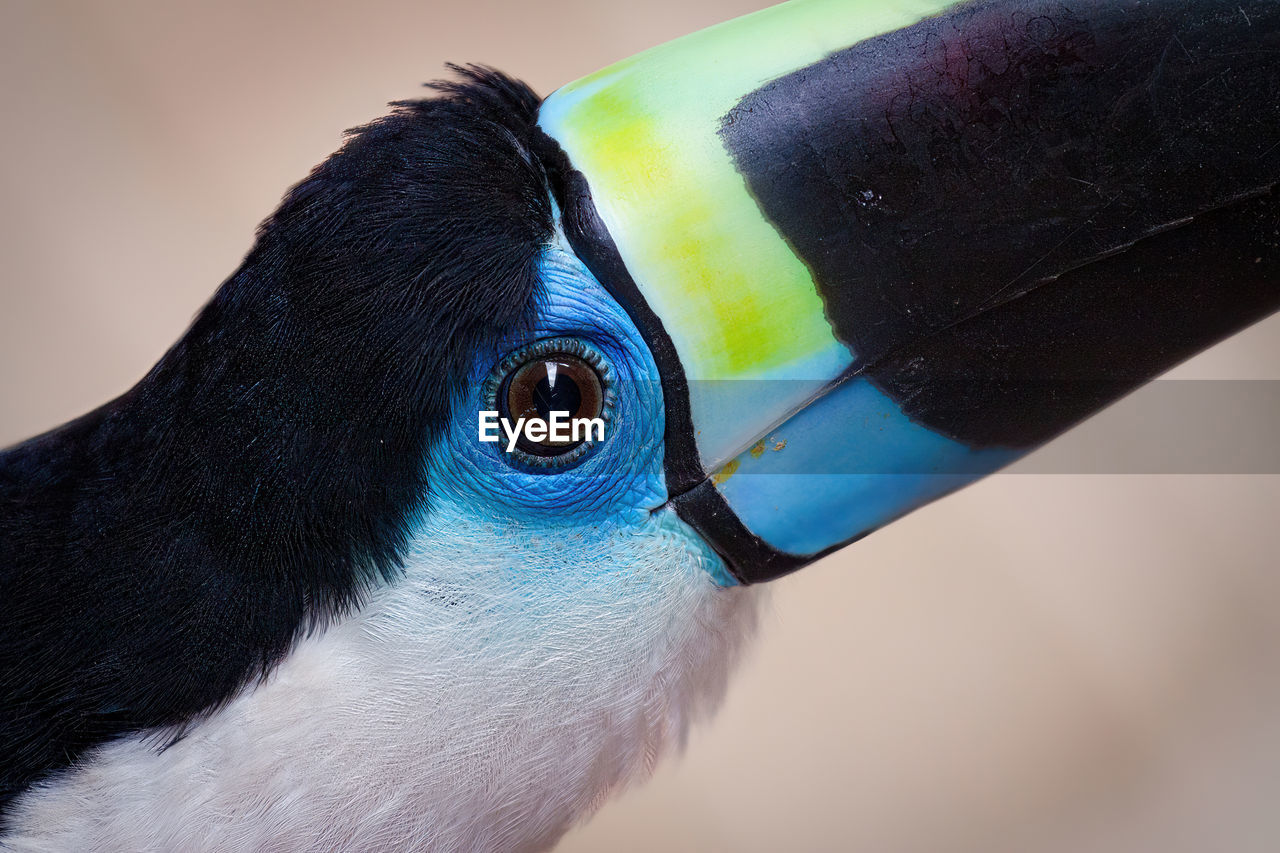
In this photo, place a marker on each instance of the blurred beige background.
(1041, 663)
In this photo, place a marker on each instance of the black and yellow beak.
(880, 249)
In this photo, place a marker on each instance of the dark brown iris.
(559, 382)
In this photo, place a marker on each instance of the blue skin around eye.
(620, 482)
(604, 514)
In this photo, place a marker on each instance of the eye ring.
(520, 381)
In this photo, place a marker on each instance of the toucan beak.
(882, 249)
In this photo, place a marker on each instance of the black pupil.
(564, 396)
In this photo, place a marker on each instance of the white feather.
(492, 698)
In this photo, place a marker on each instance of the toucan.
(805, 271)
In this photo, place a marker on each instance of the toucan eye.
(561, 391)
(554, 383)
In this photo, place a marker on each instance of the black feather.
(161, 552)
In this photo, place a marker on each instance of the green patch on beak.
(685, 224)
